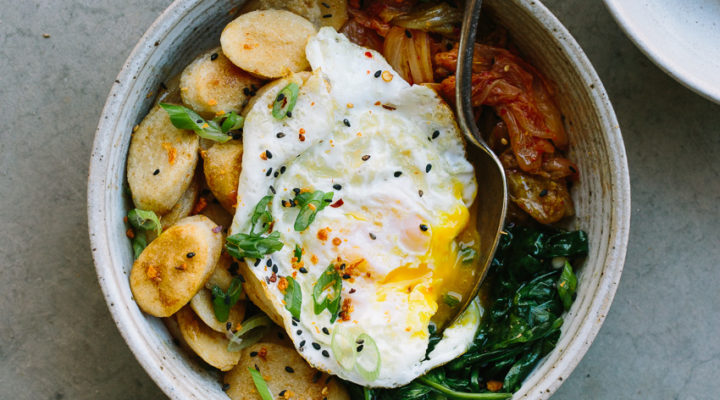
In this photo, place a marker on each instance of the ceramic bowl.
(189, 27)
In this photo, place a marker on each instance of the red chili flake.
(337, 203)
(273, 277)
(368, 54)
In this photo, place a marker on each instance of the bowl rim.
(652, 51)
(100, 237)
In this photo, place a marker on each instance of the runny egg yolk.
(439, 272)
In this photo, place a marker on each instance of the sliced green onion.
(293, 297)
(262, 214)
(260, 384)
(452, 299)
(285, 100)
(185, 118)
(330, 279)
(343, 348)
(223, 302)
(251, 331)
(467, 254)
(310, 204)
(146, 220)
(252, 245)
(298, 253)
(367, 360)
(232, 122)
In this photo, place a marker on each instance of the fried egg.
(398, 227)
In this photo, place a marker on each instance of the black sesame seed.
(268, 262)
(246, 91)
(292, 203)
(272, 189)
(282, 169)
(352, 291)
(408, 34)
(346, 122)
(157, 171)
(325, 353)
(280, 97)
(199, 121)
(327, 200)
(253, 353)
(268, 172)
(214, 56)
(327, 16)
(289, 114)
(378, 73)
(280, 135)
(257, 262)
(276, 174)
(302, 343)
(253, 87)
(324, 4)
(289, 369)
(397, 173)
(275, 269)
(282, 393)
(449, 46)
(423, 227)
(360, 341)
(228, 325)
(294, 323)
(190, 255)
(346, 276)
(420, 193)
(366, 157)
(299, 332)
(225, 387)
(257, 368)
(359, 348)
(428, 167)
(303, 270)
(435, 134)
(295, 319)
(325, 330)
(372, 236)
(315, 346)
(572, 169)
(342, 266)
(284, 203)
(240, 277)
(337, 186)
(237, 135)
(296, 190)
(268, 154)
(543, 193)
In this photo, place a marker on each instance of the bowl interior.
(190, 27)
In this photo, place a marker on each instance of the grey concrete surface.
(57, 340)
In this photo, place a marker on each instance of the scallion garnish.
(252, 245)
(452, 299)
(310, 204)
(260, 384)
(285, 101)
(298, 253)
(252, 330)
(224, 301)
(367, 360)
(185, 118)
(262, 214)
(293, 297)
(343, 348)
(326, 293)
(139, 243)
(467, 254)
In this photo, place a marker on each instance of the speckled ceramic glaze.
(189, 27)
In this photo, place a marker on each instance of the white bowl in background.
(188, 27)
(682, 37)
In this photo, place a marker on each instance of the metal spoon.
(492, 188)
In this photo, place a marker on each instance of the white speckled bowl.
(190, 26)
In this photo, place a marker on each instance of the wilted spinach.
(521, 324)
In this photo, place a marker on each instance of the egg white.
(378, 222)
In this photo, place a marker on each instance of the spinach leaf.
(566, 286)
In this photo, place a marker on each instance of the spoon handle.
(463, 74)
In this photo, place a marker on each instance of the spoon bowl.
(492, 188)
